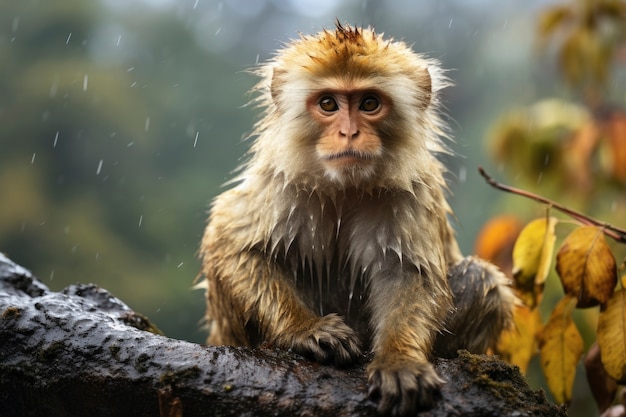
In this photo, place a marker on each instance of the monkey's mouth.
(350, 156)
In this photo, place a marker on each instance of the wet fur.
(329, 263)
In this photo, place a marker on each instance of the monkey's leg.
(483, 301)
(406, 314)
(269, 305)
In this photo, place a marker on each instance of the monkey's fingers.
(327, 340)
(403, 389)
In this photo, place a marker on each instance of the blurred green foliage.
(106, 162)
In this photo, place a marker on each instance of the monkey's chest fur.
(333, 245)
(328, 246)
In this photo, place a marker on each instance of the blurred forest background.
(120, 120)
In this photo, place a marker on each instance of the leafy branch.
(614, 232)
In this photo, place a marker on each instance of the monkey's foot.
(328, 339)
(402, 388)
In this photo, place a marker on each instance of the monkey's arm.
(250, 300)
(405, 326)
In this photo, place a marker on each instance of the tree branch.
(613, 232)
(82, 352)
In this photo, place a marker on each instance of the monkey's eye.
(328, 104)
(369, 104)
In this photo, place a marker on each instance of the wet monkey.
(335, 238)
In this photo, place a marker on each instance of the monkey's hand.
(402, 387)
(326, 339)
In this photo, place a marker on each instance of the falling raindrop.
(450, 24)
(140, 220)
(463, 174)
(53, 89)
(99, 167)
(195, 4)
(56, 138)
(119, 39)
(179, 265)
(32, 160)
(195, 142)
(146, 125)
(85, 82)
(67, 41)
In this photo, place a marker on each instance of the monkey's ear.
(277, 82)
(425, 81)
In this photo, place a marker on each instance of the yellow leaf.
(570, 57)
(561, 347)
(532, 256)
(587, 267)
(553, 19)
(612, 336)
(533, 250)
(518, 345)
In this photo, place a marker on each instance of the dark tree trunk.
(82, 352)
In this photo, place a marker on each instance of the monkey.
(334, 238)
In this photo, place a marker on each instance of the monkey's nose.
(350, 132)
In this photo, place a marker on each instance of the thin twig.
(613, 232)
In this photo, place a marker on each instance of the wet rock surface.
(83, 352)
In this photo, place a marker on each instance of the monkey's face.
(349, 146)
(348, 108)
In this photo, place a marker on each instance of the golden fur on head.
(350, 58)
(351, 54)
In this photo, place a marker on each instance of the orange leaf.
(561, 347)
(519, 344)
(577, 155)
(587, 267)
(532, 256)
(496, 239)
(612, 336)
(614, 152)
